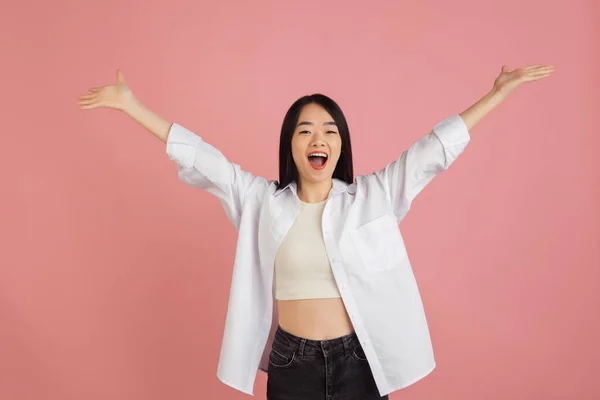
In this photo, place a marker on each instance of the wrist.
(498, 93)
(495, 96)
(131, 106)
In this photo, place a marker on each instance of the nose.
(318, 140)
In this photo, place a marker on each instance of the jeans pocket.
(281, 357)
(358, 353)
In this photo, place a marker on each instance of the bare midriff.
(316, 319)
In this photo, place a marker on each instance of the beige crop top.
(302, 269)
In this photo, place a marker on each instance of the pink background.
(114, 276)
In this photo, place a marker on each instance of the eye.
(331, 132)
(301, 132)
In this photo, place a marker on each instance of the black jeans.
(304, 369)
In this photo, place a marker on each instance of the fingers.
(88, 106)
(120, 76)
(88, 96)
(88, 100)
(532, 67)
(537, 72)
(542, 71)
(537, 76)
(538, 67)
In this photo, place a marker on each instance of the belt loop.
(346, 341)
(301, 348)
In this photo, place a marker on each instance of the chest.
(361, 235)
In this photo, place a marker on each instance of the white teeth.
(318, 155)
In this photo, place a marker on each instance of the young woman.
(323, 297)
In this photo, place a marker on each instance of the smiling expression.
(316, 135)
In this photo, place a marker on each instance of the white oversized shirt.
(363, 242)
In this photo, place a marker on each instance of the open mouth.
(318, 160)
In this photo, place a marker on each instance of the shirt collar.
(338, 186)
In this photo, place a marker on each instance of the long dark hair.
(287, 168)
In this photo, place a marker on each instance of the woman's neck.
(314, 192)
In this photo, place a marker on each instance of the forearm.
(472, 115)
(153, 122)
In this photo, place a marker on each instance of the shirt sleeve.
(203, 166)
(404, 178)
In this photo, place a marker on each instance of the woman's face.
(316, 132)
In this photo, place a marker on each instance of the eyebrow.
(310, 123)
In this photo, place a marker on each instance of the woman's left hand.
(505, 83)
(508, 80)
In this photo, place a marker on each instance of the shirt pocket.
(379, 244)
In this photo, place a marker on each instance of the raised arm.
(199, 164)
(120, 97)
(404, 178)
(505, 83)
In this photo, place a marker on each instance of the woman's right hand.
(117, 96)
